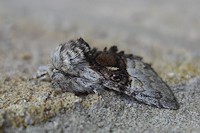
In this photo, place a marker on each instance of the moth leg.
(96, 92)
(44, 73)
(99, 93)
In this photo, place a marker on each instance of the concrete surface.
(165, 33)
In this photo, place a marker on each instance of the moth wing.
(74, 84)
(146, 86)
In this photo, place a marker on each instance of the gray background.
(165, 33)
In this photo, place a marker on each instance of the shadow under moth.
(78, 68)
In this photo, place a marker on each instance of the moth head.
(68, 55)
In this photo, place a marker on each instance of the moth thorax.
(105, 59)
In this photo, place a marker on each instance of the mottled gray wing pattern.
(146, 86)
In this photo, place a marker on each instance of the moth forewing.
(146, 86)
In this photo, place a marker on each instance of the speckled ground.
(166, 34)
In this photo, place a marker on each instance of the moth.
(78, 68)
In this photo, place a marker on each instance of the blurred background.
(165, 33)
(30, 30)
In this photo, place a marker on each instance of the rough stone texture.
(165, 33)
